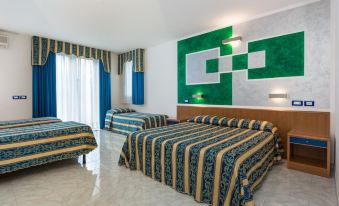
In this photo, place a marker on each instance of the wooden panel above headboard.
(317, 123)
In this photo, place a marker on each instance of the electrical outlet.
(18, 97)
(309, 103)
(297, 103)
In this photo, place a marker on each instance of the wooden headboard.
(317, 123)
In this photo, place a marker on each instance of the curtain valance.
(136, 56)
(42, 46)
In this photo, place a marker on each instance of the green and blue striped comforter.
(29, 146)
(114, 111)
(218, 165)
(28, 122)
(126, 123)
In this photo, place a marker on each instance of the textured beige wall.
(16, 78)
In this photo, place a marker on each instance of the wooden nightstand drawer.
(310, 142)
(309, 153)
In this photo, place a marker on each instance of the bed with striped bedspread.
(219, 162)
(128, 122)
(29, 146)
(28, 122)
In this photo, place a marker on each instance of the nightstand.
(309, 153)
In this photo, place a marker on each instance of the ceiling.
(122, 25)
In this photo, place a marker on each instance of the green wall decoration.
(212, 65)
(206, 66)
(239, 62)
(199, 43)
(284, 56)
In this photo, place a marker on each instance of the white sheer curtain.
(77, 82)
(127, 83)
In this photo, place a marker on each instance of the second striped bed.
(126, 123)
(29, 146)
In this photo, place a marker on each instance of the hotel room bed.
(125, 121)
(219, 161)
(28, 122)
(29, 146)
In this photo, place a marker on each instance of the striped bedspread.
(217, 165)
(126, 123)
(27, 122)
(113, 111)
(24, 147)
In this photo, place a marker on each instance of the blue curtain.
(105, 93)
(138, 88)
(44, 88)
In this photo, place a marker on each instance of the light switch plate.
(297, 103)
(19, 97)
(309, 103)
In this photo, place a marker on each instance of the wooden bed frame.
(317, 123)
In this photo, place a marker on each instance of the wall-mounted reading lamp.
(198, 96)
(233, 40)
(277, 95)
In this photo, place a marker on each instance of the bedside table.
(308, 153)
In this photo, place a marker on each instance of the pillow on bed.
(201, 119)
(224, 121)
(234, 122)
(118, 110)
(256, 125)
(214, 120)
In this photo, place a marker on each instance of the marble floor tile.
(7, 196)
(101, 182)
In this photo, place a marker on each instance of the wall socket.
(300, 103)
(309, 103)
(297, 103)
(17, 97)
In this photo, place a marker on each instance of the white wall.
(314, 20)
(160, 80)
(16, 78)
(335, 123)
(115, 81)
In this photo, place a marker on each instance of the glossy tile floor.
(102, 182)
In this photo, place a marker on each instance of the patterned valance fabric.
(42, 46)
(136, 56)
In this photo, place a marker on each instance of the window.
(127, 83)
(77, 82)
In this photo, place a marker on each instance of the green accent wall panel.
(216, 93)
(284, 56)
(219, 94)
(225, 49)
(212, 65)
(240, 62)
